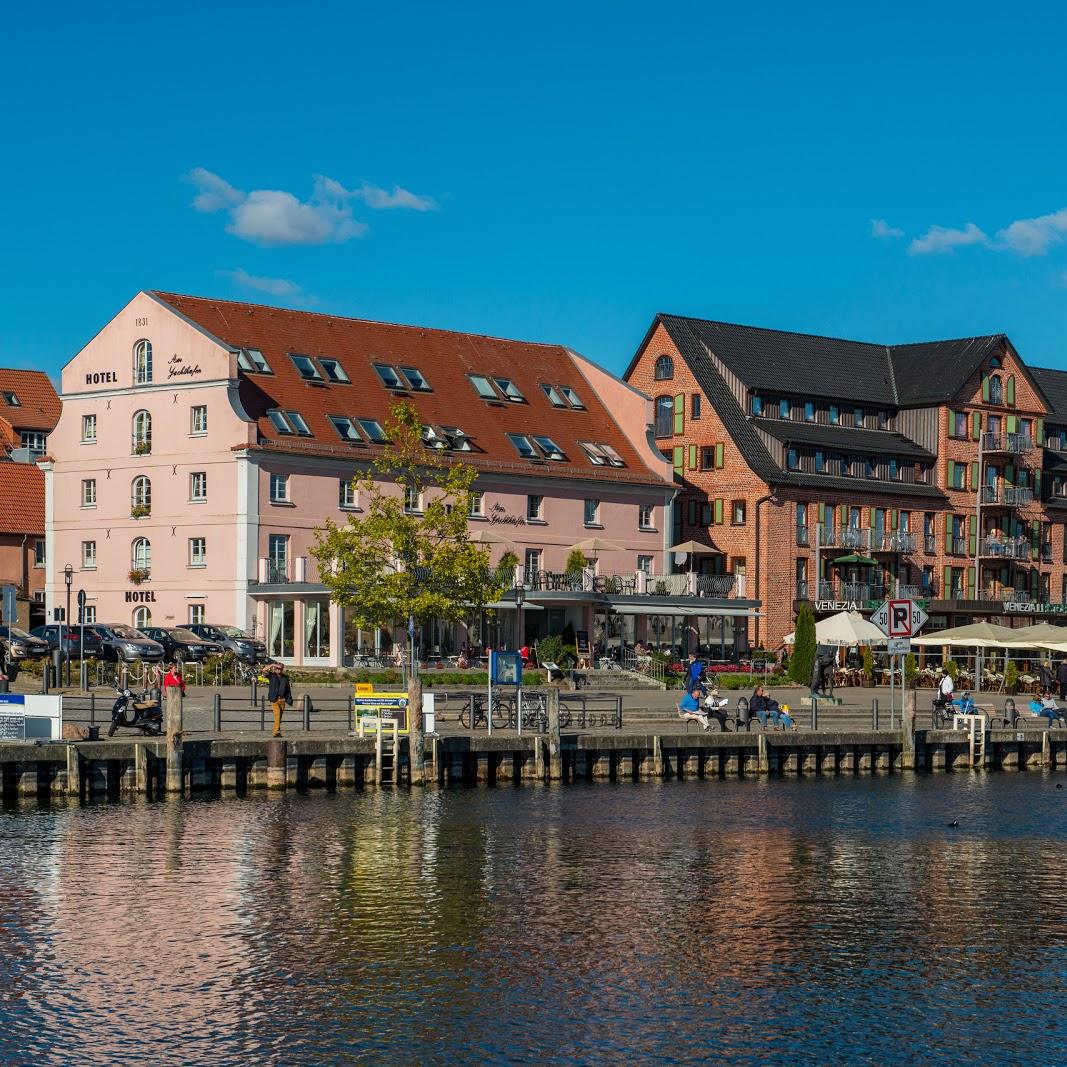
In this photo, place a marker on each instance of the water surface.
(807, 921)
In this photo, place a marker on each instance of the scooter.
(142, 714)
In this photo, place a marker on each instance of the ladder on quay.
(975, 725)
(386, 745)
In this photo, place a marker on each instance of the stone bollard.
(277, 762)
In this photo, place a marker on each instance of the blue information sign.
(505, 668)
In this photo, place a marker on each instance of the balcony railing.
(281, 571)
(1005, 547)
(957, 546)
(802, 536)
(636, 583)
(1046, 553)
(1009, 442)
(1017, 497)
(990, 494)
(845, 537)
(863, 591)
(900, 541)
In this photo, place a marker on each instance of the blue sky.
(555, 172)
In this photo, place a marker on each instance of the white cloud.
(939, 239)
(881, 228)
(1033, 237)
(273, 286)
(277, 217)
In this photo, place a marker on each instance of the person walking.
(1061, 678)
(279, 693)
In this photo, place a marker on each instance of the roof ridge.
(951, 340)
(167, 297)
(892, 374)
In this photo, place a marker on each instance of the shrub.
(868, 664)
(1011, 676)
(804, 647)
(558, 650)
(911, 669)
(575, 564)
(952, 667)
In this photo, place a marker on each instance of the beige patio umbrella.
(1040, 635)
(487, 537)
(977, 635)
(844, 630)
(693, 549)
(596, 544)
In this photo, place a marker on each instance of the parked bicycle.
(476, 707)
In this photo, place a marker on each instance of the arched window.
(665, 416)
(142, 554)
(142, 433)
(664, 369)
(141, 495)
(142, 363)
(142, 617)
(994, 363)
(996, 391)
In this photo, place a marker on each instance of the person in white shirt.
(945, 687)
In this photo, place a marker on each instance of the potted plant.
(142, 448)
(140, 511)
(1011, 678)
(868, 665)
(138, 575)
(911, 670)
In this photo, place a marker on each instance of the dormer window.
(305, 367)
(374, 432)
(345, 428)
(664, 371)
(279, 421)
(524, 446)
(253, 361)
(809, 411)
(334, 371)
(12, 399)
(601, 455)
(757, 404)
(299, 424)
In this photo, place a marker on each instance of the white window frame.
(88, 555)
(412, 506)
(347, 495)
(89, 424)
(197, 480)
(646, 516)
(477, 505)
(141, 492)
(198, 420)
(282, 481)
(141, 554)
(197, 614)
(595, 520)
(142, 362)
(197, 559)
(142, 617)
(89, 614)
(88, 493)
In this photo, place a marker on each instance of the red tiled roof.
(444, 357)
(38, 407)
(22, 491)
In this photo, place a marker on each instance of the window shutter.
(949, 465)
(972, 534)
(679, 413)
(948, 533)
(1013, 423)
(1010, 390)
(842, 515)
(693, 505)
(679, 458)
(718, 512)
(976, 425)
(985, 388)
(974, 476)
(970, 583)
(1009, 475)
(720, 448)
(692, 457)
(1039, 433)
(894, 519)
(822, 513)
(1037, 485)
(946, 590)
(1035, 540)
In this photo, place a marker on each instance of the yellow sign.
(364, 689)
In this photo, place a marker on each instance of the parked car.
(244, 646)
(180, 644)
(70, 638)
(121, 642)
(16, 644)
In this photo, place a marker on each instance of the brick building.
(838, 472)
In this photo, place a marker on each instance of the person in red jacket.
(173, 677)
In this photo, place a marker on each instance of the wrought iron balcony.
(802, 536)
(1017, 497)
(1004, 548)
(900, 541)
(1008, 442)
(991, 494)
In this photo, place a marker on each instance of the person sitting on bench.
(764, 707)
(689, 708)
(1045, 706)
(713, 706)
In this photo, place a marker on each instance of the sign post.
(900, 621)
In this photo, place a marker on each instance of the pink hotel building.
(201, 443)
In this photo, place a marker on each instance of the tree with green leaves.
(804, 647)
(408, 554)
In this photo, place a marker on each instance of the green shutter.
(718, 512)
(970, 583)
(946, 590)
(1009, 475)
(1013, 423)
(985, 387)
(679, 458)
(1009, 392)
(842, 516)
(974, 476)
(692, 457)
(822, 513)
(1035, 540)
(972, 534)
(679, 413)
(1039, 433)
(976, 425)
(894, 520)
(720, 448)
(948, 533)
(870, 518)
(950, 468)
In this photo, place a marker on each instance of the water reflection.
(816, 921)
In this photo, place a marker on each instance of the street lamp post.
(68, 577)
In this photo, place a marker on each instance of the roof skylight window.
(555, 397)
(299, 424)
(484, 387)
(416, 380)
(253, 361)
(345, 428)
(549, 447)
(390, 378)
(602, 455)
(373, 429)
(523, 446)
(510, 390)
(459, 441)
(334, 371)
(305, 367)
(12, 399)
(279, 421)
(572, 397)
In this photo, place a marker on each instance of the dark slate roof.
(1054, 385)
(912, 375)
(744, 433)
(850, 439)
(934, 372)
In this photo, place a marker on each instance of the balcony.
(930, 544)
(1008, 442)
(802, 536)
(1016, 497)
(849, 590)
(845, 537)
(957, 546)
(991, 494)
(1004, 548)
(901, 541)
(636, 584)
(283, 571)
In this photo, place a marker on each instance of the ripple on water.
(814, 921)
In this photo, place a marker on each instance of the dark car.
(16, 644)
(123, 643)
(244, 646)
(180, 644)
(56, 633)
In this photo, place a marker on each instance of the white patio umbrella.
(1040, 635)
(977, 635)
(845, 629)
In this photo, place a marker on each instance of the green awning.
(862, 561)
